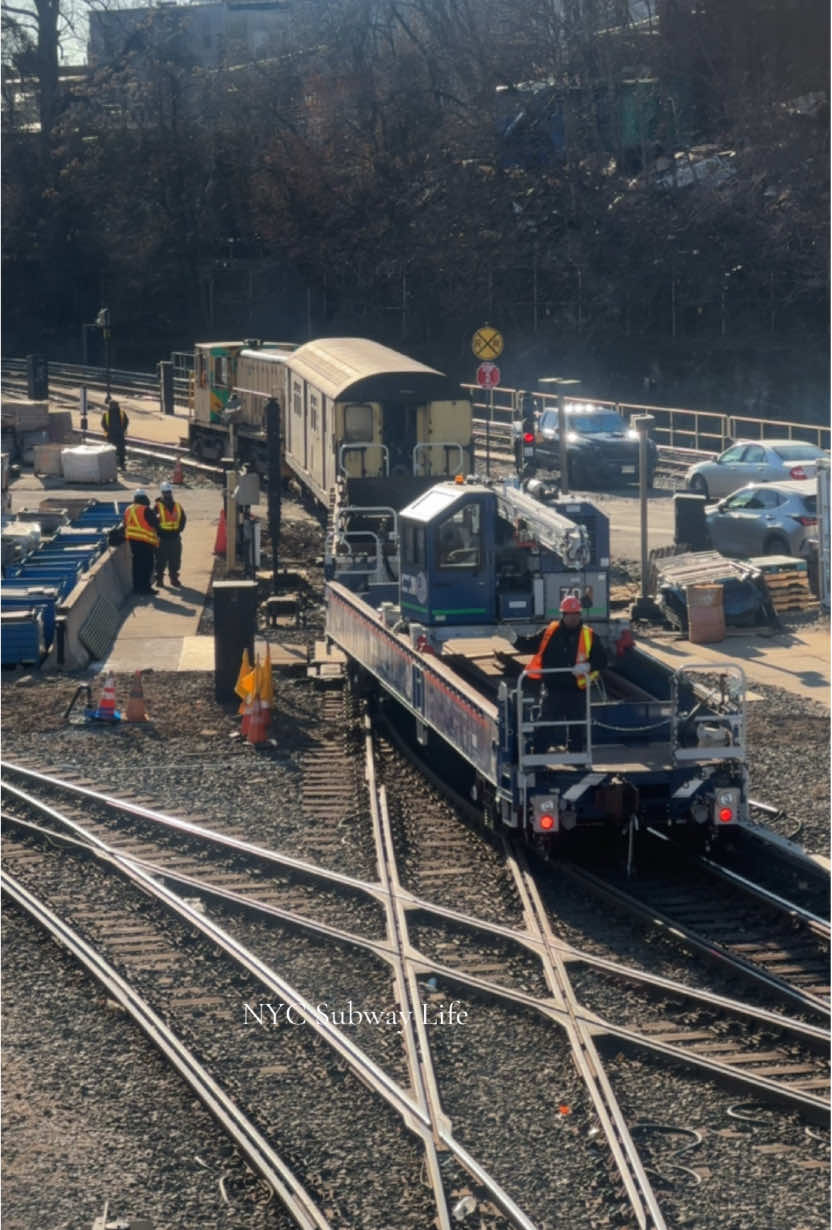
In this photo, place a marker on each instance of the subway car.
(351, 409)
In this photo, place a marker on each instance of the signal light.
(546, 822)
(726, 815)
(528, 437)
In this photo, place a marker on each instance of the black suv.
(601, 450)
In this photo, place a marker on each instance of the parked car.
(601, 449)
(753, 461)
(766, 519)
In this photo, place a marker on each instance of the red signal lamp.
(547, 821)
(528, 437)
(726, 814)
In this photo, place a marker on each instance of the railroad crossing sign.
(487, 343)
(488, 375)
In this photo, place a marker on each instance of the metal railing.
(675, 428)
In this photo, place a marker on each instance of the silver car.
(765, 519)
(753, 461)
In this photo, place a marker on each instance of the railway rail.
(515, 963)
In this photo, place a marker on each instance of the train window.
(221, 370)
(414, 546)
(460, 540)
(358, 423)
(313, 411)
(297, 400)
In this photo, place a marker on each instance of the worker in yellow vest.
(140, 522)
(172, 521)
(114, 422)
(573, 647)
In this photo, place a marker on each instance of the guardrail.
(675, 428)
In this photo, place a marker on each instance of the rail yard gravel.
(188, 762)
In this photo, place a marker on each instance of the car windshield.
(798, 451)
(591, 423)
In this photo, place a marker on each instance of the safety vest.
(169, 518)
(138, 527)
(106, 418)
(533, 671)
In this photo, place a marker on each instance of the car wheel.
(775, 544)
(698, 485)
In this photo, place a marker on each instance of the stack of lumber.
(787, 580)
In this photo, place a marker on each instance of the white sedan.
(753, 461)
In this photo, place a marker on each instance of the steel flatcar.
(439, 624)
(350, 409)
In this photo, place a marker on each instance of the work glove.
(580, 668)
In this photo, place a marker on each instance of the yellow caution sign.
(487, 343)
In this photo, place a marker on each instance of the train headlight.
(727, 806)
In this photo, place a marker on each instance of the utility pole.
(561, 382)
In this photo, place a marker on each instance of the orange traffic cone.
(177, 472)
(221, 540)
(106, 710)
(258, 717)
(136, 710)
(258, 721)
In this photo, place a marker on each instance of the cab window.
(460, 539)
(358, 424)
(414, 546)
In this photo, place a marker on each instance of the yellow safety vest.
(169, 518)
(137, 526)
(535, 667)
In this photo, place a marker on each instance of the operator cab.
(447, 556)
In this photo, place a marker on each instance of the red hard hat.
(570, 605)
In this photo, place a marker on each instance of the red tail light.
(528, 437)
(807, 520)
(797, 472)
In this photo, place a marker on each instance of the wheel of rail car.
(698, 485)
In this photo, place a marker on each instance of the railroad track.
(400, 933)
(755, 934)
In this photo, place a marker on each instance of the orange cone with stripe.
(136, 710)
(258, 718)
(107, 702)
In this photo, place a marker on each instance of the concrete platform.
(796, 660)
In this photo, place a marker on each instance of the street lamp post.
(642, 422)
(561, 382)
(103, 322)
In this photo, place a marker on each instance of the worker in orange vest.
(567, 643)
(140, 526)
(171, 524)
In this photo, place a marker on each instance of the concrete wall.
(110, 577)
